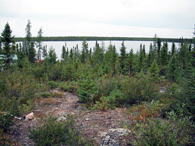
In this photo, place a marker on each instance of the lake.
(135, 45)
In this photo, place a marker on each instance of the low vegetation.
(103, 79)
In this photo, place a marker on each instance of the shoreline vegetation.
(96, 38)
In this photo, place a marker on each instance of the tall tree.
(158, 50)
(28, 38)
(39, 43)
(164, 55)
(84, 51)
(173, 49)
(122, 57)
(52, 56)
(6, 39)
(63, 55)
(172, 69)
(32, 53)
(154, 71)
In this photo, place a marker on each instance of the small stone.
(30, 116)
(87, 119)
(61, 119)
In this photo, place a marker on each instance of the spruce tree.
(6, 40)
(164, 55)
(122, 57)
(173, 49)
(172, 69)
(39, 43)
(154, 71)
(158, 50)
(32, 53)
(63, 55)
(28, 39)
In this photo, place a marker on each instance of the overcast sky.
(132, 18)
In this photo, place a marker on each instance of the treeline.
(91, 38)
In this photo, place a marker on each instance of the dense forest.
(159, 84)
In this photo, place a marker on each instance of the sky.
(124, 18)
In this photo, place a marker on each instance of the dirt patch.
(92, 123)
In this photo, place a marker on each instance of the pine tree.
(52, 56)
(84, 50)
(6, 40)
(32, 53)
(114, 58)
(154, 71)
(39, 43)
(164, 55)
(87, 88)
(172, 69)
(131, 56)
(44, 53)
(122, 57)
(63, 55)
(173, 49)
(28, 39)
(158, 50)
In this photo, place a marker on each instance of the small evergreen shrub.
(87, 88)
(45, 95)
(52, 132)
(52, 84)
(69, 86)
(6, 120)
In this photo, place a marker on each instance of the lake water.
(135, 45)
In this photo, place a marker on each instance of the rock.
(110, 137)
(87, 119)
(30, 116)
(61, 119)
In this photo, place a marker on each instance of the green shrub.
(107, 85)
(137, 89)
(159, 132)
(6, 120)
(87, 88)
(45, 95)
(53, 132)
(115, 98)
(52, 84)
(19, 91)
(102, 105)
(69, 86)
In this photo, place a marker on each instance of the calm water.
(135, 45)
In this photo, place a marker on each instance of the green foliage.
(52, 56)
(19, 91)
(6, 120)
(115, 98)
(137, 89)
(172, 69)
(154, 71)
(87, 88)
(69, 86)
(6, 39)
(45, 95)
(52, 132)
(52, 84)
(174, 131)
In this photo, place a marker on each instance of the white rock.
(61, 119)
(30, 116)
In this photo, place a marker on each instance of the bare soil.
(92, 123)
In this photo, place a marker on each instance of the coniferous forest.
(157, 88)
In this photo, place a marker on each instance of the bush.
(107, 85)
(156, 131)
(19, 91)
(115, 98)
(137, 89)
(52, 84)
(45, 95)
(57, 133)
(69, 86)
(87, 88)
(6, 120)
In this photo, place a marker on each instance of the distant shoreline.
(94, 38)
